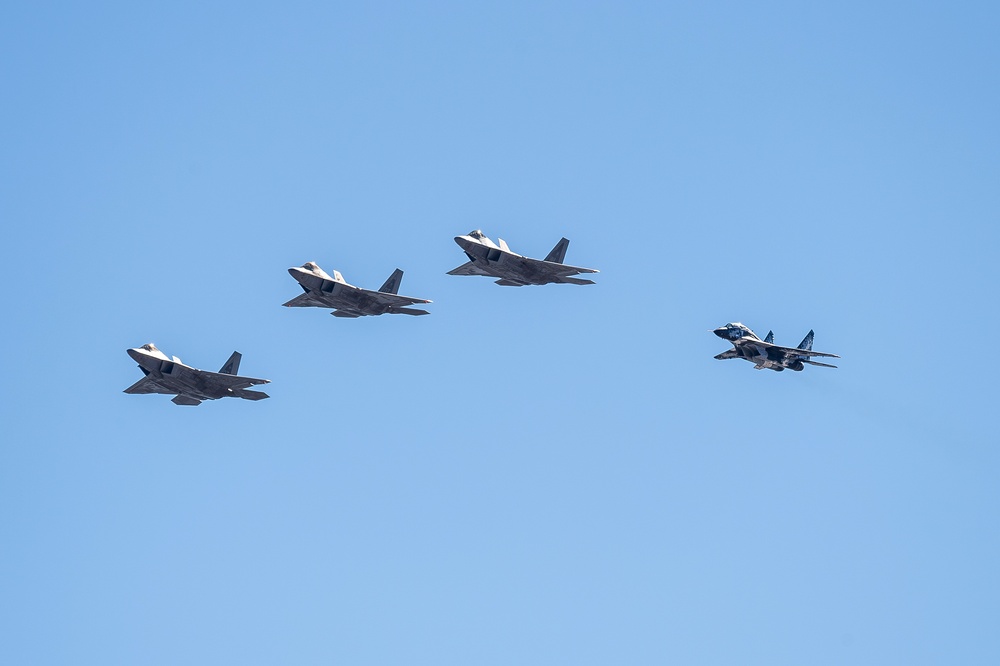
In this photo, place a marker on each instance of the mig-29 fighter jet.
(346, 300)
(764, 353)
(191, 386)
(487, 258)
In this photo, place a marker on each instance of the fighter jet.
(191, 386)
(487, 258)
(346, 300)
(764, 353)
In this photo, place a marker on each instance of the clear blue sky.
(527, 476)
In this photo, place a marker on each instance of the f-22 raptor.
(764, 353)
(190, 386)
(346, 300)
(492, 260)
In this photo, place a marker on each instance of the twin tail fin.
(232, 366)
(391, 285)
(558, 253)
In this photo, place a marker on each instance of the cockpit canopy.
(477, 234)
(150, 347)
(738, 330)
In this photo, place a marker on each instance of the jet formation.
(191, 386)
(492, 260)
(764, 353)
(188, 385)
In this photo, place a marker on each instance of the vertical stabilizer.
(807, 342)
(391, 285)
(558, 253)
(769, 337)
(232, 366)
(503, 245)
(338, 277)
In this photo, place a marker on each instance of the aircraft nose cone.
(722, 332)
(134, 354)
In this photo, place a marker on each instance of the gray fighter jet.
(189, 385)
(487, 258)
(346, 300)
(764, 353)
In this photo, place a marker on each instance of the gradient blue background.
(538, 475)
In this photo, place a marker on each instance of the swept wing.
(468, 268)
(229, 381)
(147, 385)
(307, 300)
(314, 299)
(791, 351)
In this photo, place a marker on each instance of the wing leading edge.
(791, 351)
(146, 385)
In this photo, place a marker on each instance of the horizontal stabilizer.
(570, 280)
(822, 365)
(509, 283)
(409, 311)
(250, 395)
(232, 366)
(391, 285)
(558, 253)
(345, 314)
(185, 400)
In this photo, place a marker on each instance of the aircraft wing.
(560, 269)
(306, 300)
(230, 381)
(576, 269)
(147, 385)
(791, 351)
(468, 268)
(393, 299)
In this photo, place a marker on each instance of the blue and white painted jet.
(764, 353)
